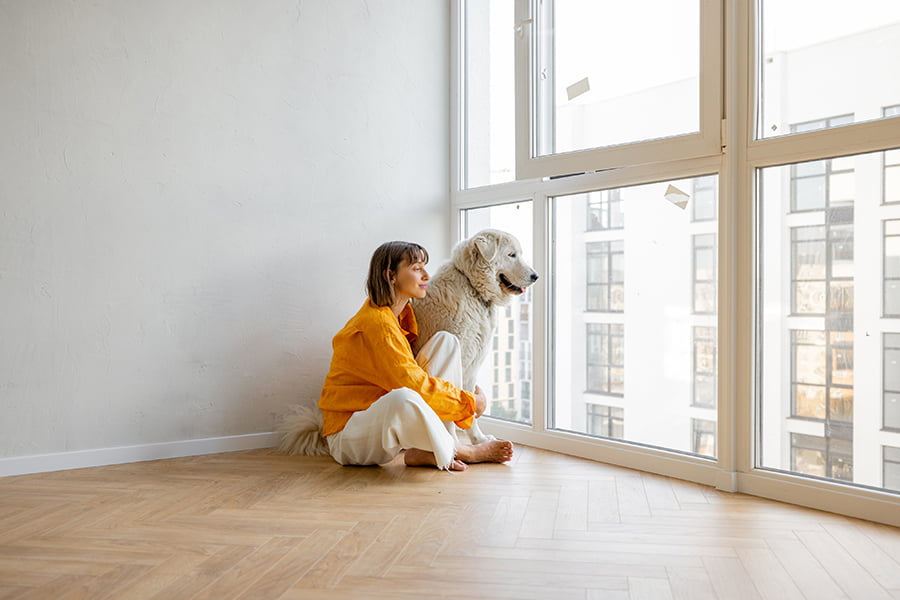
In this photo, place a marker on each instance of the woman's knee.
(405, 400)
(445, 340)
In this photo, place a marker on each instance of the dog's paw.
(480, 439)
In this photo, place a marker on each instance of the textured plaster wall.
(189, 195)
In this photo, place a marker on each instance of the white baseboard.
(43, 463)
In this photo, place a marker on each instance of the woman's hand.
(480, 402)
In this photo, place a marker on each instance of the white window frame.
(736, 156)
(706, 142)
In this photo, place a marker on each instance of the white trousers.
(401, 419)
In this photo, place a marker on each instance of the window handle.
(520, 26)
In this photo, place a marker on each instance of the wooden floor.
(259, 525)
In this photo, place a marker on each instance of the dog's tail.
(301, 432)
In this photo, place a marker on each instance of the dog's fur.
(301, 432)
(483, 272)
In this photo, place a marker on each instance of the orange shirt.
(371, 357)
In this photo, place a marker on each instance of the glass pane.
(892, 184)
(489, 99)
(840, 187)
(892, 298)
(821, 365)
(825, 64)
(809, 193)
(512, 344)
(892, 410)
(891, 251)
(655, 358)
(810, 401)
(810, 298)
(616, 72)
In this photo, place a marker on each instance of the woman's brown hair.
(385, 261)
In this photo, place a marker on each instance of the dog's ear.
(486, 245)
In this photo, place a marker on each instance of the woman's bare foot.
(414, 457)
(498, 451)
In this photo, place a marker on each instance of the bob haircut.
(385, 261)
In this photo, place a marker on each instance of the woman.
(378, 399)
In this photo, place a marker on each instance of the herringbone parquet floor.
(260, 525)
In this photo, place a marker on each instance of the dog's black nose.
(534, 276)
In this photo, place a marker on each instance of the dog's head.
(492, 261)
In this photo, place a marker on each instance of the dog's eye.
(512, 254)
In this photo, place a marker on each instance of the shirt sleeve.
(395, 367)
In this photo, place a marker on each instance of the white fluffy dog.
(483, 272)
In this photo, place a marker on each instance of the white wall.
(190, 193)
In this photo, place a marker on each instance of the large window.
(487, 104)
(738, 165)
(652, 344)
(604, 79)
(811, 58)
(821, 302)
(512, 344)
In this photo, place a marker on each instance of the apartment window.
(822, 375)
(705, 205)
(892, 268)
(891, 165)
(821, 184)
(604, 210)
(587, 104)
(514, 217)
(606, 358)
(830, 456)
(891, 374)
(703, 437)
(571, 151)
(822, 272)
(488, 109)
(606, 276)
(704, 273)
(891, 468)
(605, 421)
(704, 361)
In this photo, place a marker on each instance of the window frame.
(705, 143)
(737, 158)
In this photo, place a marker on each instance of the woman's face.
(410, 280)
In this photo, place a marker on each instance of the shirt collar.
(408, 324)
